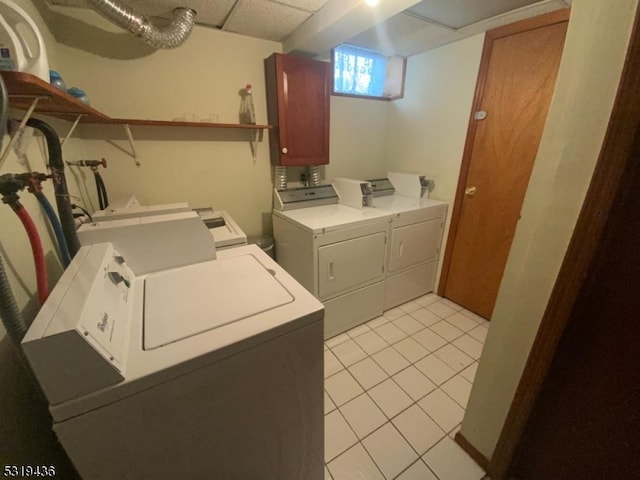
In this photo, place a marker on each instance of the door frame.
(557, 16)
(621, 145)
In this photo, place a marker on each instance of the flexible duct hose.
(9, 312)
(57, 228)
(11, 317)
(171, 36)
(56, 165)
(36, 248)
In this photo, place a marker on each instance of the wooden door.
(298, 100)
(517, 78)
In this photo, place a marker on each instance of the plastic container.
(265, 242)
(79, 94)
(21, 49)
(56, 80)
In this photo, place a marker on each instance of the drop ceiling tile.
(265, 19)
(308, 5)
(458, 13)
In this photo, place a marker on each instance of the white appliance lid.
(187, 301)
(327, 218)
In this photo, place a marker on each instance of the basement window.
(360, 72)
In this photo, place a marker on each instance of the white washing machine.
(337, 252)
(416, 228)
(226, 232)
(207, 370)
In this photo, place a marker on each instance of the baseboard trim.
(472, 451)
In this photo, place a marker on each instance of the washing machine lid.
(187, 301)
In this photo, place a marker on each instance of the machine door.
(414, 244)
(346, 265)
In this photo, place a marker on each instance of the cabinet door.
(346, 265)
(300, 96)
(414, 244)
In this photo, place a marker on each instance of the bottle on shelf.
(247, 110)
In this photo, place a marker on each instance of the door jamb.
(557, 16)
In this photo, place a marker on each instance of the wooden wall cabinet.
(298, 99)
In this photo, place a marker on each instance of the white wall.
(587, 82)
(427, 129)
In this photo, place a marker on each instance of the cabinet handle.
(285, 150)
(400, 249)
(330, 272)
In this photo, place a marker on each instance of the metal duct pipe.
(314, 175)
(280, 176)
(171, 36)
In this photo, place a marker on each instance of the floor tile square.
(453, 357)
(337, 340)
(349, 352)
(480, 320)
(451, 304)
(376, 322)
(440, 309)
(368, 373)
(418, 429)
(411, 350)
(470, 372)
(389, 450)
(469, 345)
(413, 382)
(435, 369)
(355, 464)
(338, 435)
(427, 299)
(371, 342)
(359, 330)
(479, 333)
(327, 475)
(462, 322)
(390, 360)
(390, 398)
(410, 306)
(390, 333)
(417, 471)
(408, 324)
(363, 415)
(458, 388)
(394, 313)
(425, 317)
(446, 330)
(429, 339)
(331, 364)
(442, 409)
(342, 387)
(448, 461)
(329, 406)
(452, 433)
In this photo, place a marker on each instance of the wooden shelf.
(24, 87)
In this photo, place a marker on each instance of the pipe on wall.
(170, 36)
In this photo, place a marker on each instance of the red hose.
(36, 248)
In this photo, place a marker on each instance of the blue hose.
(57, 228)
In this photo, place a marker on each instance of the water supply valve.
(93, 164)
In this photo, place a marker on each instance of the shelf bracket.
(73, 127)
(24, 121)
(256, 137)
(127, 129)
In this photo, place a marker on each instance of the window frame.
(369, 97)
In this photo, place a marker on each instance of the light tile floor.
(395, 393)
